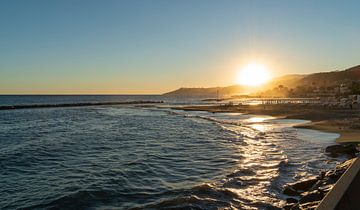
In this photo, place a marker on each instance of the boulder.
(291, 200)
(296, 207)
(339, 170)
(326, 188)
(311, 196)
(288, 190)
(304, 185)
(289, 206)
(311, 191)
(310, 205)
(346, 164)
(348, 149)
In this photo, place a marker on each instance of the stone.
(305, 184)
(296, 207)
(291, 200)
(349, 149)
(339, 170)
(326, 188)
(311, 197)
(289, 206)
(288, 190)
(310, 205)
(316, 185)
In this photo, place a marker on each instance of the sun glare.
(254, 74)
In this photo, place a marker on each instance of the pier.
(289, 100)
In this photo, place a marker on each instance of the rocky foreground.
(307, 194)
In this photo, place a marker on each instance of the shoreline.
(310, 193)
(346, 135)
(345, 122)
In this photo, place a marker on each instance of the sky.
(155, 46)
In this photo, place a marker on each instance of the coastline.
(311, 192)
(346, 135)
(345, 122)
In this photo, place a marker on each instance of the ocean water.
(134, 157)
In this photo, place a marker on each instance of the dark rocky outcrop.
(288, 190)
(291, 200)
(309, 206)
(312, 196)
(305, 185)
(311, 191)
(339, 149)
(298, 187)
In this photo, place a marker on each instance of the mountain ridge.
(290, 80)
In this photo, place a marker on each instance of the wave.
(211, 196)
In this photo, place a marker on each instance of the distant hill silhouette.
(206, 92)
(287, 80)
(320, 79)
(352, 73)
(291, 81)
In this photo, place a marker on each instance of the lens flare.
(254, 74)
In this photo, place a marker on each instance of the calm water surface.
(124, 157)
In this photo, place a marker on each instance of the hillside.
(206, 92)
(323, 78)
(290, 81)
(287, 80)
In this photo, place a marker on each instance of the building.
(344, 89)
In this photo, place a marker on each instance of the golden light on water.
(258, 119)
(254, 74)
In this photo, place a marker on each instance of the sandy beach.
(345, 122)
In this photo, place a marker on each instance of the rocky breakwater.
(307, 194)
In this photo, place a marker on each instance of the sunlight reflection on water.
(127, 157)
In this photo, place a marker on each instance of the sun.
(253, 74)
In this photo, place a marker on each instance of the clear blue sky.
(154, 46)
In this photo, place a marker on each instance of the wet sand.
(347, 135)
(346, 122)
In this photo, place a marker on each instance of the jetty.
(38, 106)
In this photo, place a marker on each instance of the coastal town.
(341, 94)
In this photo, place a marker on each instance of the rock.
(346, 164)
(305, 184)
(322, 174)
(296, 207)
(317, 185)
(325, 189)
(291, 200)
(298, 187)
(311, 197)
(349, 149)
(288, 190)
(333, 148)
(289, 206)
(310, 205)
(339, 170)
(311, 191)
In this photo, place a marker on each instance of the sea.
(149, 156)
